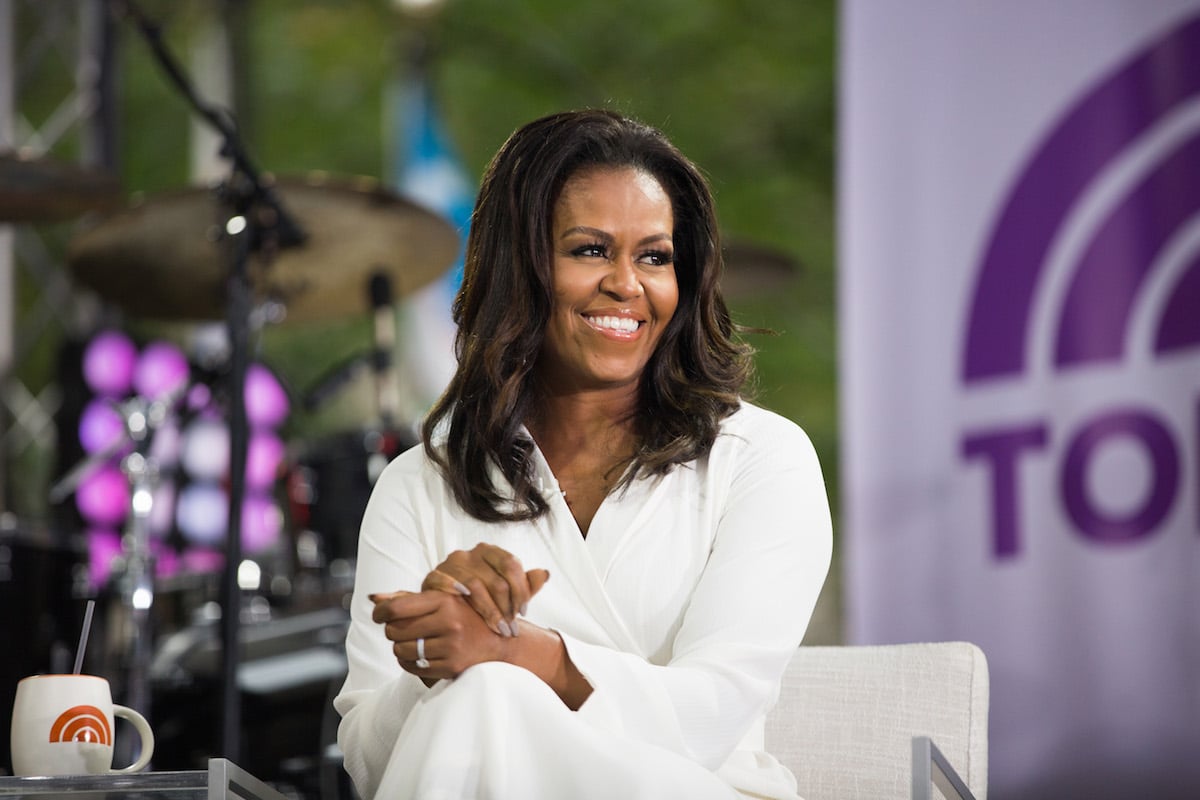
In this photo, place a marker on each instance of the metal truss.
(52, 52)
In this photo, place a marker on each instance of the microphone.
(387, 386)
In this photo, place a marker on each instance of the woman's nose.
(622, 280)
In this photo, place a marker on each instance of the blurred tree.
(744, 87)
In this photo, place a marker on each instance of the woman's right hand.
(492, 580)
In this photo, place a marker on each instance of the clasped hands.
(465, 613)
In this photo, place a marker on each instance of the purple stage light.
(202, 513)
(166, 445)
(264, 454)
(201, 560)
(199, 397)
(262, 523)
(166, 561)
(162, 510)
(266, 401)
(108, 363)
(103, 496)
(100, 425)
(161, 369)
(205, 450)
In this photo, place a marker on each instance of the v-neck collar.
(584, 560)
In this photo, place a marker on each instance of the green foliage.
(745, 87)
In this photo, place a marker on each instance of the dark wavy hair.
(692, 380)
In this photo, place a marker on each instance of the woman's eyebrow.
(607, 237)
(657, 237)
(599, 234)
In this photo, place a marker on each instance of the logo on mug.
(81, 724)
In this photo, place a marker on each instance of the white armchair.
(847, 717)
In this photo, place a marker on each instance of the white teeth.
(624, 324)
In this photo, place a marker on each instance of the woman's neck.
(586, 438)
(584, 423)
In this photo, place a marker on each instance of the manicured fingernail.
(373, 597)
(463, 590)
(525, 609)
(516, 631)
(504, 629)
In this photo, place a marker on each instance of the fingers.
(494, 581)
(430, 670)
(401, 605)
(444, 643)
(442, 582)
(484, 603)
(407, 652)
(509, 568)
(537, 579)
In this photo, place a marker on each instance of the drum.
(329, 483)
(290, 667)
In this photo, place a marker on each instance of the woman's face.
(614, 279)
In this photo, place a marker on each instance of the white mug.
(63, 725)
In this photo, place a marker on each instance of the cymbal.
(43, 190)
(161, 259)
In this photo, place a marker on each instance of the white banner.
(1020, 356)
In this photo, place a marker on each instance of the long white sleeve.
(744, 619)
(378, 696)
(681, 607)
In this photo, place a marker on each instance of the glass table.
(221, 781)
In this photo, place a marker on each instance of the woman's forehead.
(590, 183)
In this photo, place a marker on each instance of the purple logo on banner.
(1093, 320)
(1152, 224)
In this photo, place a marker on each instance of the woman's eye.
(590, 251)
(658, 258)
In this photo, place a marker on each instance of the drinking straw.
(83, 635)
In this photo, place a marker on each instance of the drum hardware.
(142, 418)
(37, 189)
(329, 483)
(387, 396)
(301, 247)
(252, 224)
(200, 254)
(330, 382)
(130, 625)
(290, 667)
(331, 480)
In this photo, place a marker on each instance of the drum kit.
(253, 251)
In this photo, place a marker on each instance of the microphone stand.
(257, 223)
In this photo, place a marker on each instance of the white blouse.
(681, 607)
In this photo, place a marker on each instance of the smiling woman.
(594, 430)
(506, 308)
(614, 281)
(614, 294)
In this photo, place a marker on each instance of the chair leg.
(930, 768)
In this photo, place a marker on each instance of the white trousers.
(498, 732)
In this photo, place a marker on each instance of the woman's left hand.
(454, 635)
(494, 582)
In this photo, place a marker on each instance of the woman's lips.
(615, 326)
